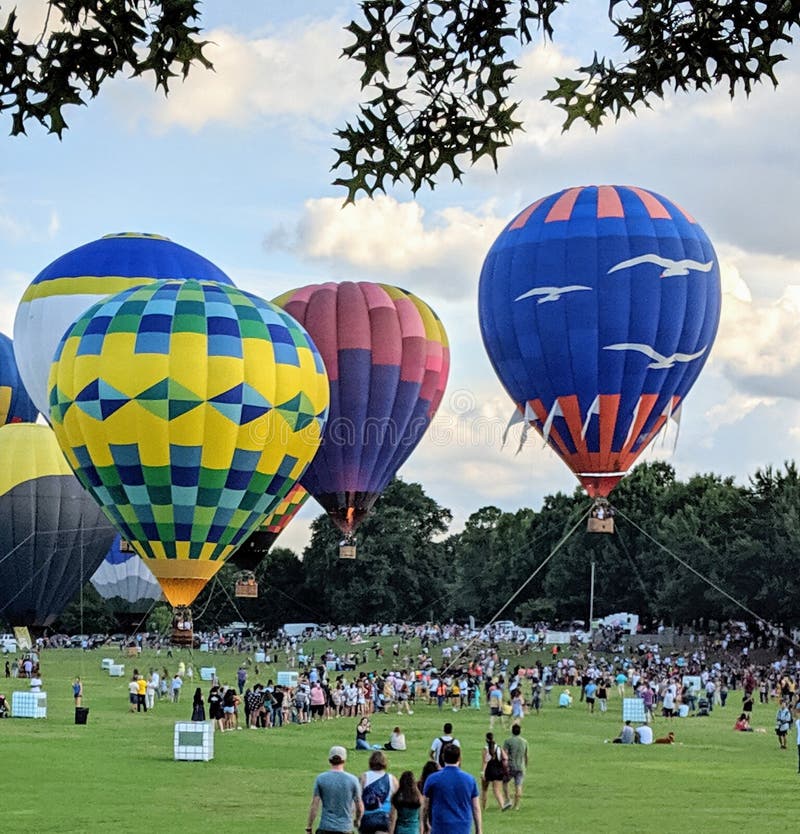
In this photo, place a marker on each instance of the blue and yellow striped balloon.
(92, 272)
(189, 410)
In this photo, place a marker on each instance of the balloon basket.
(246, 585)
(347, 548)
(601, 519)
(182, 626)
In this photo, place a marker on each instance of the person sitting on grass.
(397, 740)
(626, 734)
(742, 724)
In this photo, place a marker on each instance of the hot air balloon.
(72, 283)
(387, 357)
(53, 535)
(125, 582)
(189, 410)
(252, 551)
(598, 308)
(15, 404)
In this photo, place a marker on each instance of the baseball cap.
(337, 755)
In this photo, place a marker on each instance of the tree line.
(681, 551)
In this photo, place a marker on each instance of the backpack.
(440, 757)
(376, 793)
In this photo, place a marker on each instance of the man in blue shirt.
(337, 795)
(451, 800)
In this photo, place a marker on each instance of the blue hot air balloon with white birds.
(598, 308)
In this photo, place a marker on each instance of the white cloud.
(732, 164)
(11, 228)
(13, 285)
(380, 236)
(295, 73)
(757, 346)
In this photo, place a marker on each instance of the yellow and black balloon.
(53, 536)
(189, 410)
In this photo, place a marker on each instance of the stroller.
(702, 707)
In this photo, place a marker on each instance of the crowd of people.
(442, 800)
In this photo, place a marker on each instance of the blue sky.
(235, 164)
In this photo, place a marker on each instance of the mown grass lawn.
(117, 772)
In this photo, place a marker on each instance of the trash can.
(81, 715)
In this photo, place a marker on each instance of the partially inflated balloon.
(52, 534)
(598, 308)
(387, 357)
(125, 581)
(72, 283)
(189, 410)
(15, 404)
(264, 536)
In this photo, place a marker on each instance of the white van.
(298, 629)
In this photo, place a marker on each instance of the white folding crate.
(29, 704)
(106, 663)
(116, 670)
(194, 741)
(208, 673)
(633, 710)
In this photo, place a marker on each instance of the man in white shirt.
(441, 741)
(644, 734)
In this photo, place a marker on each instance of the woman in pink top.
(317, 701)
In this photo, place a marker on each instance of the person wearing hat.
(336, 798)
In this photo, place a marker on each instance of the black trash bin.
(81, 715)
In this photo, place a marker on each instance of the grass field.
(117, 774)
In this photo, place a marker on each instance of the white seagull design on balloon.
(550, 293)
(671, 267)
(661, 361)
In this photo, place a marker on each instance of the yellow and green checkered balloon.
(189, 410)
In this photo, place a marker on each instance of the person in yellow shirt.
(141, 703)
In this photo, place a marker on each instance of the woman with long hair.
(493, 770)
(428, 768)
(405, 815)
(198, 706)
(362, 728)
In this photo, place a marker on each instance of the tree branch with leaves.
(83, 43)
(437, 76)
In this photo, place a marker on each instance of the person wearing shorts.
(516, 748)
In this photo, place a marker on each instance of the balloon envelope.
(53, 535)
(388, 358)
(264, 536)
(72, 283)
(125, 581)
(598, 308)
(189, 410)
(15, 404)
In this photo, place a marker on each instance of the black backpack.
(441, 750)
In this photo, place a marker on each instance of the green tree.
(88, 613)
(83, 43)
(437, 74)
(769, 562)
(399, 574)
(160, 619)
